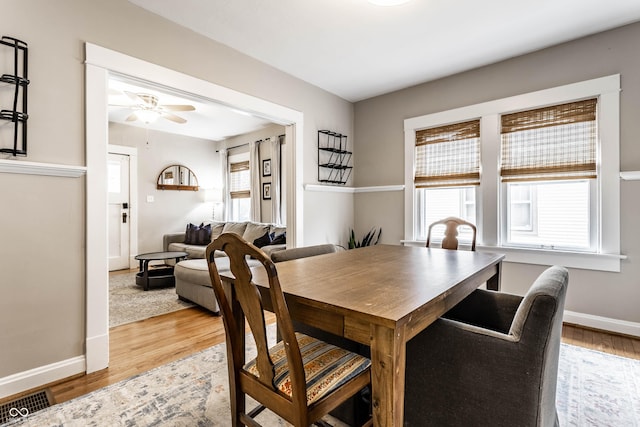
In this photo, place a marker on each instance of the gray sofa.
(192, 275)
(194, 284)
(250, 231)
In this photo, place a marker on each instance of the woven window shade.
(239, 185)
(448, 155)
(550, 143)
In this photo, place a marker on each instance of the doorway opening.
(100, 64)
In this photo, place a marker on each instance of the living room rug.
(129, 303)
(594, 389)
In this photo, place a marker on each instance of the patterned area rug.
(594, 389)
(129, 303)
(597, 389)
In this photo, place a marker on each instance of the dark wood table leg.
(493, 284)
(145, 276)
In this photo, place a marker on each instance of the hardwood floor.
(619, 345)
(140, 346)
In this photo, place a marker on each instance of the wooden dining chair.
(450, 239)
(301, 378)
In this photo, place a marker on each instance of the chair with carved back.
(450, 239)
(301, 378)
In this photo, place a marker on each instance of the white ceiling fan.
(147, 108)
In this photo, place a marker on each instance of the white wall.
(171, 210)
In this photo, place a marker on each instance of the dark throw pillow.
(198, 234)
(263, 240)
(280, 239)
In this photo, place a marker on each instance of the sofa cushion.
(271, 249)
(216, 229)
(193, 251)
(196, 271)
(235, 227)
(197, 234)
(254, 231)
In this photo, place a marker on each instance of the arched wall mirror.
(177, 177)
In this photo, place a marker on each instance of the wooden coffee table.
(158, 276)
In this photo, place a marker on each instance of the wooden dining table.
(380, 296)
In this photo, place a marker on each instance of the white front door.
(118, 212)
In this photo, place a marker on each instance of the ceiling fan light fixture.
(147, 116)
(388, 2)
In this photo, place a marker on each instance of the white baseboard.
(603, 323)
(40, 376)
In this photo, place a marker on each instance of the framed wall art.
(266, 167)
(266, 191)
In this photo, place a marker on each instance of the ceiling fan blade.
(132, 118)
(134, 96)
(178, 107)
(173, 118)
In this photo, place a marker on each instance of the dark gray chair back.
(492, 360)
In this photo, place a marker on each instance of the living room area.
(149, 159)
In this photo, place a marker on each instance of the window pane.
(240, 181)
(240, 210)
(113, 177)
(434, 204)
(556, 216)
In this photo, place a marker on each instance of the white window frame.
(236, 158)
(607, 230)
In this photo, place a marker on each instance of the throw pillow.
(198, 234)
(254, 230)
(279, 239)
(263, 240)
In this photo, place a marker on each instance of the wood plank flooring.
(140, 346)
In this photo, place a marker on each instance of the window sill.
(585, 261)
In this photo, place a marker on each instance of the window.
(546, 186)
(553, 151)
(240, 191)
(447, 172)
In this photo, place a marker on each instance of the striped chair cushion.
(326, 366)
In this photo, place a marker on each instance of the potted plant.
(371, 238)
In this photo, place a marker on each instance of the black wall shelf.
(333, 158)
(16, 82)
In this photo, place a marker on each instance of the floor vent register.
(24, 406)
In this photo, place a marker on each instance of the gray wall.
(379, 147)
(171, 210)
(42, 267)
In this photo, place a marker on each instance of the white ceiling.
(357, 50)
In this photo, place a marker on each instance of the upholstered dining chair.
(304, 252)
(301, 378)
(452, 226)
(491, 361)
